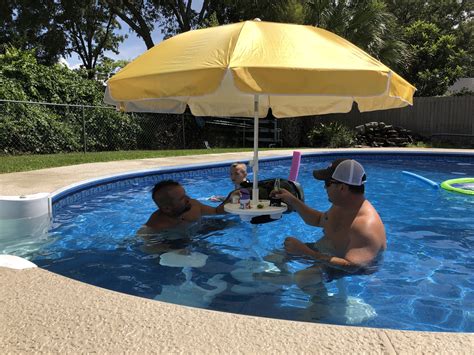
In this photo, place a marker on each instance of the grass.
(17, 163)
(441, 144)
(10, 164)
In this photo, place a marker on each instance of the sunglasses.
(329, 182)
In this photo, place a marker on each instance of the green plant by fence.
(43, 128)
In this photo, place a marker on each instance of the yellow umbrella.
(244, 69)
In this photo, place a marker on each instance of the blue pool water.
(425, 283)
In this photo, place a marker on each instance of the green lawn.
(10, 164)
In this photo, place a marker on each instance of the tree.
(446, 14)
(451, 17)
(28, 24)
(89, 28)
(437, 61)
(465, 40)
(30, 128)
(108, 67)
(291, 11)
(232, 11)
(178, 16)
(139, 15)
(55, 28)
(367, 24)
(6, 23)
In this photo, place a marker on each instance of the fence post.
(84, 142)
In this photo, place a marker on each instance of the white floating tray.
(254, 211)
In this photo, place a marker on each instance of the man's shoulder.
(156, 222)
(155, 226)
(368, 214)
(194, 202)
(196, 206)
(153, 217)
(368, 226)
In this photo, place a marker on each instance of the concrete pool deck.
(41, 312)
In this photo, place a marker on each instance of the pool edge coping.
(81, 185)
(429, 341)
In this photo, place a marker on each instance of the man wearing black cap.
(354, 234)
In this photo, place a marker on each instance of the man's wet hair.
(160, 187)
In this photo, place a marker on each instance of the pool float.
(433, 184)
(465, 185)
(295, 166)
(183, 259)
(190, 294)
(15, 262)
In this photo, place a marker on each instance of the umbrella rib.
(231, 52)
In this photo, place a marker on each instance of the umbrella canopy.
(244, 69)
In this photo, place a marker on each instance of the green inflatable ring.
(447, 185)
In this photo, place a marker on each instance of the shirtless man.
(175, 208)
(176, 221)
(354, 234)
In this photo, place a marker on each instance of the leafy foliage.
(58, 28)
(169, 136)
(432, 28)
(89, 28)
(28, 24)
(437, 62)
(37, 82)
(110, 130)
(29, 128)
(34, 129)
(367, 24)
(108, 67)
(141, 16)
(332, 135)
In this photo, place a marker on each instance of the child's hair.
(238, 163)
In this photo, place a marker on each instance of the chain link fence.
(46, 128)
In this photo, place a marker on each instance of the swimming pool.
(426, 281)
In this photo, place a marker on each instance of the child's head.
(238, 173)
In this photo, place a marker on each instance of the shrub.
(332, 135)
(34, 129)
(110, 130)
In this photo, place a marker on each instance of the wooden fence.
(450, 118)
(429, 116)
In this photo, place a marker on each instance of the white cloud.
(71, 63)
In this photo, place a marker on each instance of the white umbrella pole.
(255, 152)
